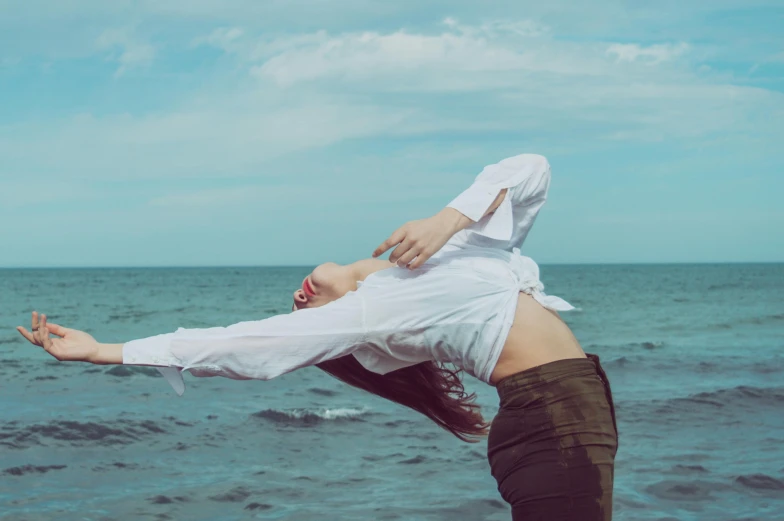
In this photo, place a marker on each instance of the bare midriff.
(537, 336)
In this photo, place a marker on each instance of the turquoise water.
(694, 353)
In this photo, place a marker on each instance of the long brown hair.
(428, 387)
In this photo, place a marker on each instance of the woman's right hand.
(417, 241)
(73, 346)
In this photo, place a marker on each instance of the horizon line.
(611, 263)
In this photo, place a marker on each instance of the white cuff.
(155, 351)
(498, 225)
(474, 201)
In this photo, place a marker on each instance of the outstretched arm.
(259, 349)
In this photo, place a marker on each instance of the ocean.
(694, 355)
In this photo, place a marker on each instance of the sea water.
(694, 354)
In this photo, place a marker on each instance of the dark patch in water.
(476, 454)
(258, 506)
(126, 370)
(212, 417)
(116, 465)
(688, 469)
(322, 392)
(178, 422)
(618, 362)
(160, 499)
(724, 401)
(30, 469)
(694, 456)
(9, 340)
(93, 370)
(234, 495)
(645, 345)
(767, 367)
(121, 432)
(494, 503)
(760, 481)
(10, 361)
(707, 367)
(397, 423)
(379, 457)
(413, 461)
(45, 378)
(695, 490)
(136, 315)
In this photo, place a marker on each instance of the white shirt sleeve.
(527, 178)
(259, 349)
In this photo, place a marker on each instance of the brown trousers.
(552, 444)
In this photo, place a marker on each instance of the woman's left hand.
(73, 346)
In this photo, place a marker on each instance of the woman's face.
(327, 282)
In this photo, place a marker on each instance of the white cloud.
(631, 52)
(129, 52)
(462, 57)
(318, 89)
(226, 38)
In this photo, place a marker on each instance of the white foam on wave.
(308, 415)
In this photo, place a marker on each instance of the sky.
(245, 132)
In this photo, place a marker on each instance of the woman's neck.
(362, 268)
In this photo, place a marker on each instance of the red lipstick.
(307, 287)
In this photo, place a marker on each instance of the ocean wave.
(117, 432)
(750, 321)
(647, 345)
(743, 395)
(726, 401)
(760, 482)
(303, 417)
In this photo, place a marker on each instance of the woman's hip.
(552, 444)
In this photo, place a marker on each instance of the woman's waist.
(516, 387)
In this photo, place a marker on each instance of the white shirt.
(458, 307)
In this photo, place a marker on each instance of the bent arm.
(459, 220)
(526, 177)
(259, 349)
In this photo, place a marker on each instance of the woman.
(455, 290)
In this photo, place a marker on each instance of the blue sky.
(201, 132)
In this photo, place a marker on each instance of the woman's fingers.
(401, 250)
(46, 341)
(420, 259)
(34, 323)
(40, 330)
(407, 257)
(396, 237)
(56, 329)
(25, 333)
